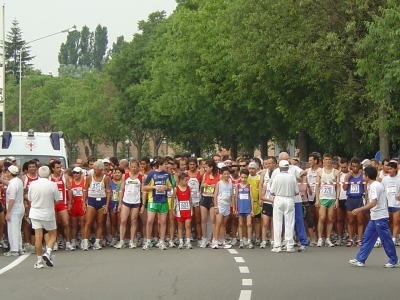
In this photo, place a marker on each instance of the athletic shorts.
(195, 202)
(392, 209)
(224, 210)
(112, 205)
(33, 231)
(48, 225)
(327, 203)
(170, 204)
(183, 219)
(77, 210)
(60, 207)
(256, 209)
(97, 203)
(353, 203)
(258, 216)
(312, 203)
(131, 205)
(267, 209)
(243, 215)
(154, 207)
(207, 202)
(342, 203)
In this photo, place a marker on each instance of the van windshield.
(43, 159)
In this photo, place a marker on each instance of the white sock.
(180, 241)
(188, 241)
(49, 251)
(97, 241)
(73, 241)
(39, 258)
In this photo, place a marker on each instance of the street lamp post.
(20, 69)
(127, 145)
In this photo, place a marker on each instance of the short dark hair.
(355, 160)
(223, 169)
(344, 160)
(385, 160)
(192, 159)
(370, 172)
(314, 156)
(54, 163)
(392, 164)
(145, 159)
(328, 155)
(245, 171)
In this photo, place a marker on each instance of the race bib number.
(169, 194)
(312, 189)
(194, 194)
(391, 190)
(160, 192)
(61, 195)
(244, 196)
(184, 205)
(226, 195)
(77, 192)
(328, 189)
(354, 189)
(96, 186)
(115, 196)
(209, 190)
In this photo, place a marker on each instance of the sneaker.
(328, 243)
(38, 265)
(313, 243)
(350, 243)
(103, 242)
(272, 244)
(283, 247)
(257, 242)
(120, 245)
(263, 245)
(55, 247)
(290, 250)
(358, 243)
(234, 242)
(180, 246)
(214, 244)
(389, 265)
(250, 246)
(203, 243)
(146, 246)
(356, 263)
(339, 242)
(74, 244)
(113, 243)
(11, 253)
(140, 242)
(241, 245)
(96, 246)
(2, 245)
(46, 257)
(161, 246)
(132, 245)
(276, 249)
(171, 244)
(302, 249)
(69, 247)
(85, 245)
(224, 245)
(188, 246)
(378, 244)
(319, 244)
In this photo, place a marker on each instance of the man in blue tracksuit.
(378, 225)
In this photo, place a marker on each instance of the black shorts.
(1, 207)
(207, 202)
(257, 216)
(342, 204)
(267, 209)
(33, 231)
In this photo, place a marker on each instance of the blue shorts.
(392, 209)
(112, 205)
(130, 205)
(243, 215)
(97, 204)
(353, 203)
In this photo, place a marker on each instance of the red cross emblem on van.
(30, 145)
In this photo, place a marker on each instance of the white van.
(25, 146)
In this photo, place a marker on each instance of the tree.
(14, 46)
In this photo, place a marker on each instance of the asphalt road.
(320, 273)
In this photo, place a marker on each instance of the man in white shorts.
(42, 194)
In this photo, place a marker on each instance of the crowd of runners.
(182, 201)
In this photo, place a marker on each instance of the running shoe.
(389, 265)
(356, 263)
(339, 242)
(96, 246)
(302, 249)
(272, 244)
(162, 246)
(258, 242)
(224, 245)
(358, 243)
(290, 250)
(203, 243)
(250, 246)
(328, 243)
(140, 242)
(85, 245)
(276, 249)
(263, 245)
(132, 245)
(73, 244)
(120, 245)
(55, 247)
(234, 242)
(38, 265)
(2, 245)
(214, 244)
(180, 247)
(11, 253)
(146, 246)
(171, 244)
(313, 243)
(113, 243)
(69, 247)
(47, 259)
(241, 245)
(319, 244)
(350, 243)
(188, 246)
(378, 244)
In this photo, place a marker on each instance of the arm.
(260, 185)
(370, 205)
(85, 191)
(317, 188)
(108, 193)
(337, 189)
(252, 202)
(346, 179)
(216, 198)
(70, 196)
(121, 196)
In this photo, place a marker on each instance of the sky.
(39, 18)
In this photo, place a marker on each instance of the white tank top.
(312, 179)
(327, 191)
(132, 191)
(224, 193)
(97, 188)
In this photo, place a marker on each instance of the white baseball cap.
(283, 163)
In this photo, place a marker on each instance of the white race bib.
(115, 196)
(160, 193)
(77, 192)
(244, 196)
(391, 190)
(328, 189)
(354, 188)
(184, 205)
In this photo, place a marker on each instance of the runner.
(311, 175)
(157, 183)
(76, 207)
(210, 179)
(378, 225)
(243, 206)
(341, 210)
(327, 198)
(129, 205)
(355, 191)
(183, 203)
(61, 209)
(118, 175)
(233, 221)
(254, 181)
(171, 204)
(96, 196)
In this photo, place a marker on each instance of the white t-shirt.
(377, 191)
(343, 195)
(42, 193)
(15, 191)
(392, 189)
(293, 170)
(284, 185)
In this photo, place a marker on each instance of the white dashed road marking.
(244, 270)
(232, 251)
(239, 259)
(247, 281)
(245, 295)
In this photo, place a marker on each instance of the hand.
(7, 218)
(69, 206)
(119, 208)
(317, 205)
(260, 203)
(252, 214)
(105, 210)
(355, 211)
(398, 198)
(142, 209)
(336, 204)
